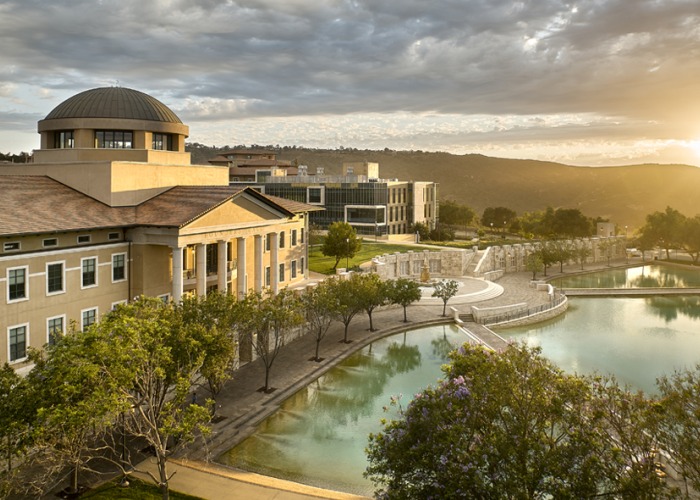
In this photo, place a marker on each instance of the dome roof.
(114, 102)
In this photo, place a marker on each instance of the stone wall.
(444, 263)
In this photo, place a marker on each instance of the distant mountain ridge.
(623, 194)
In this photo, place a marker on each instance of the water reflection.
(318, 436)
(649, 276)
(669, 308)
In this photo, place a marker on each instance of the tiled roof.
(35, 204)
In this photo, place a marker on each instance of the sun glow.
(695, 146)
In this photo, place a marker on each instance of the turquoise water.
(319, 435)
(649, 276)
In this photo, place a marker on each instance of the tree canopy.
(341, 242)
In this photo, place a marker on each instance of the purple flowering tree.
(507, 425)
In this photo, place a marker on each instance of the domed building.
(111, 209)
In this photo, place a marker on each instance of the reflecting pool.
(636, 339)
(648, 276)
(319, 435)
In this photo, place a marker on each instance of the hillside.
(623, 194)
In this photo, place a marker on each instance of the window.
(17, 283)
(162, 142)
(301, 235)
(84, 238)
(281, 272)
(282, 239)
(294, 238)
(89, 317)
(113, 236)
(89, 271)
(118, 267)
(63, 139)
(301, 265)
(267, 242)
(293, 269)
(54, 329)
(118, 303)
(165, 298)
(50, 242)
(54, 278)
(315, 195)
(11, 246)
(114, 139)
(17, 338)
(267, 276)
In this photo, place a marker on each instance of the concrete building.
(252, 165)
(111, 209)
(372, 205)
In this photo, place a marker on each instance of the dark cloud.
(635, 60)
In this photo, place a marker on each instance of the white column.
(177, 275)
(259, 271)
(274, 263)
(222, 268)
(242, 285)
(201, 269)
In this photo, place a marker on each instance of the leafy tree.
(563, 251)
(341, 242)
(16, 413)
(422, 229)
(455, 214)
(403, 292)
(534, 263)
(663, 228)
(680, 400)
(442, 233)
(319, 305)
(581, 251)
(572, 223)
(506, 425)
(372, 293)
(267, 322)
(153, 357)
(214, 314)
(314, 235)
(348, 302)
(445, 290)
(497, 217)
(549, 253)
(690, 237)
(606, 248)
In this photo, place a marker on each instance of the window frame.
(62, 263)
(321, 195)
(82, 317)
(281, 274)
(117, 139)
(9, 343)
(293, 238)
(49, 242)
(49, 332)
(87, 238)
(24, 297)
(281, 241)
(83, 286)
(124, 267)
(293, 270)
(12, 246)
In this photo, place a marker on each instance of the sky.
(590, 82)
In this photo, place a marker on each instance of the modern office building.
(372, 205)
(111, 208)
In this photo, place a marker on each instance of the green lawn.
(137, 490)
(321, 264)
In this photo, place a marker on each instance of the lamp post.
(504, 229)
(347, 253)
(492, 228)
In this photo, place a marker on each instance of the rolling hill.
(624, 194)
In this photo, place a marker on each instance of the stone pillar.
(242, 287)
(221, 267)
(274, 262)
(201, 268)
(258, 271)
(177, 275)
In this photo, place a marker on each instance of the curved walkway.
(242, 406)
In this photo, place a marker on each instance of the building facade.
(373, 206)
(112, 209)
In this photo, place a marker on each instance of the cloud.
(214, 61)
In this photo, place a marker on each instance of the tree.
(690, 237)
(581, 251)
(549, 254)
(534, 263)
(371, 293)
(266, 322)
(319, 305)
(572, 223)
(314, 235)
(455, 214)
(605, 247)
(680, 432)
(663, 228)
(341, 242)
(445, 290)
(348, 303)
(403, 292)
(214, 314)
(504, 425)
(497, 217)
(422, 229)
(153, 357)
(562, 252)
(16, 414)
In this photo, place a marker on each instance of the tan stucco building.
(111, 209)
